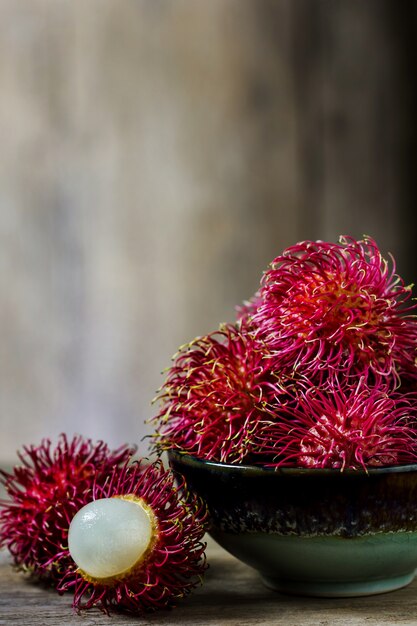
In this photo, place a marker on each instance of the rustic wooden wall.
(155, 156)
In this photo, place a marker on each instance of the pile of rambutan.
(318, 370)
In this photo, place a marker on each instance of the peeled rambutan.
(344, 426)
(337, 307)
(140, 538)
(216, 395)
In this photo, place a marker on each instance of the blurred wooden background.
(155, 156)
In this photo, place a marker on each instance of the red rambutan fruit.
(337, 307)
(217, 393)
(348, 426)
(44, 493)
(165, 554)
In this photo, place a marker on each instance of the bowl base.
(327, 566)
(337, 589)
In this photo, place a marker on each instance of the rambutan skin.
(216, 395)
(176, 563)
(344, 426)
(44, 493)
(337, 307)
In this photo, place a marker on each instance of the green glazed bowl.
(317, 532)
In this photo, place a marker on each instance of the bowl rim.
(192, 460)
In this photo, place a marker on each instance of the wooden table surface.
(232, 594)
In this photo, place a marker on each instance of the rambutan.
(337, 307)
(349, 426)
(217, 393)
(45, 492)
(140, 565)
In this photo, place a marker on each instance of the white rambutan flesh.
(109, 537)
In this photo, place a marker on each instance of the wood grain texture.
(232, 595)
(355, 98)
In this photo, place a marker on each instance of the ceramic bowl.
(312, 532)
